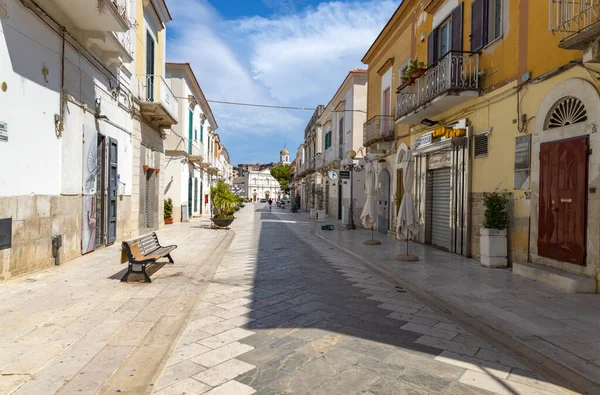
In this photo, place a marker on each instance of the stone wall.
(517, 229)
(36, 219)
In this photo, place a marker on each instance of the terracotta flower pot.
(146, 168)
(169, 221)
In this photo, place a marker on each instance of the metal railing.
(570, 17)
(378, 128)
(121, 6)
(154, 89)
(126, 40)
(456, 71)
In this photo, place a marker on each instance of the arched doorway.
(383, 203)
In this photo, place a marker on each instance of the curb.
(554, 372)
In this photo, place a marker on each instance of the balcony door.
(149, 67)
(387, 109)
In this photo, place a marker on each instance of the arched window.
(567, 111)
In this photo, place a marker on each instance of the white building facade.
(66, 87)
(187, 180)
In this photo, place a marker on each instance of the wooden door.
(562, 200)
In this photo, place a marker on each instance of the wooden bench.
(143, 251)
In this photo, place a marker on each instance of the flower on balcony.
(414, 70)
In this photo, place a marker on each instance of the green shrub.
(223, 201)
(496, 210)
(168, 208)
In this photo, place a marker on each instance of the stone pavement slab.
(311, 320)
(535, 321)
(71, 328)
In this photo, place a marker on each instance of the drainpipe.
(60, 122)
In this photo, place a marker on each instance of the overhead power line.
(278, 107)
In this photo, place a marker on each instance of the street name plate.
(5, 233)
(3, 132)
(345, 174)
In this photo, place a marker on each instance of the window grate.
(522, 162)
(481, 145)
(567, 111)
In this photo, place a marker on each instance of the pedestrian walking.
(270, 204)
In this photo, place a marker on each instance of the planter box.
(321, 216)
(493, 248)
(222, 223)
(169, 221)
(313, 213)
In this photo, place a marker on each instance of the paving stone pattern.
(288, 313)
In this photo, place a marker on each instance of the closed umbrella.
(407, 222)
(369, 212)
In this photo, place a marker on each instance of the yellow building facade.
(519, 97)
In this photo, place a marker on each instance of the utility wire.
(271, 106)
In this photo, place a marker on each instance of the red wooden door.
(562, 205)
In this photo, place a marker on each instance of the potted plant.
(414, 70)
(493, 246)
(168, 211)
(223, 205)
(320, 205)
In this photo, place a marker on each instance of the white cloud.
(287, 59)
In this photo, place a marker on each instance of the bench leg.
(126, 276)
(170, 259)
(146, 277)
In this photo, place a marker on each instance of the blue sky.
(274, 52)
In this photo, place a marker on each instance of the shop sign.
(3, 132)
(440, 160)
(423, 140)
(449, 132)
(345, 174)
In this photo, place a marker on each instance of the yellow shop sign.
(449, 132)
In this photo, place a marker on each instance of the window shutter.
(481, 145)
(457, 28)
(478, 24)
(432, 48)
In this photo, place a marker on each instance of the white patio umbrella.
(369, 212)
(407, 222)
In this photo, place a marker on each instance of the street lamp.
(349, 164)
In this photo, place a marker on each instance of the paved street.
(288, 313)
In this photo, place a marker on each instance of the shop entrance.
(437, 210)
(383, 202)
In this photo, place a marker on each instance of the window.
(481, 145)
(328, 140)
(201, 133)
(444, 37)
(495, 18)
(522, 161)
(195, 134)
(486, 22)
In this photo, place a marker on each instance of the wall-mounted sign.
(3, 132)
(449, 132)
(440, 160)
(344, 174)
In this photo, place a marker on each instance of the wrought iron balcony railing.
(378, 128)
(154, 89)
(570, 18)
(456, 71)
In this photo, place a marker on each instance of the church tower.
(284, 156)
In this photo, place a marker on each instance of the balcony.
(319, 161)
(96, 15)
(196, 156)
(453, 80)
(157, 102)
(332, 156)
(576, 22)
(377, 129)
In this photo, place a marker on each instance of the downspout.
(60, 122)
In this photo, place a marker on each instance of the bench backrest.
(142, 246)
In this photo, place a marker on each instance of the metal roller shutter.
(438, 208)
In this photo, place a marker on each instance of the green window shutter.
(201, 133)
